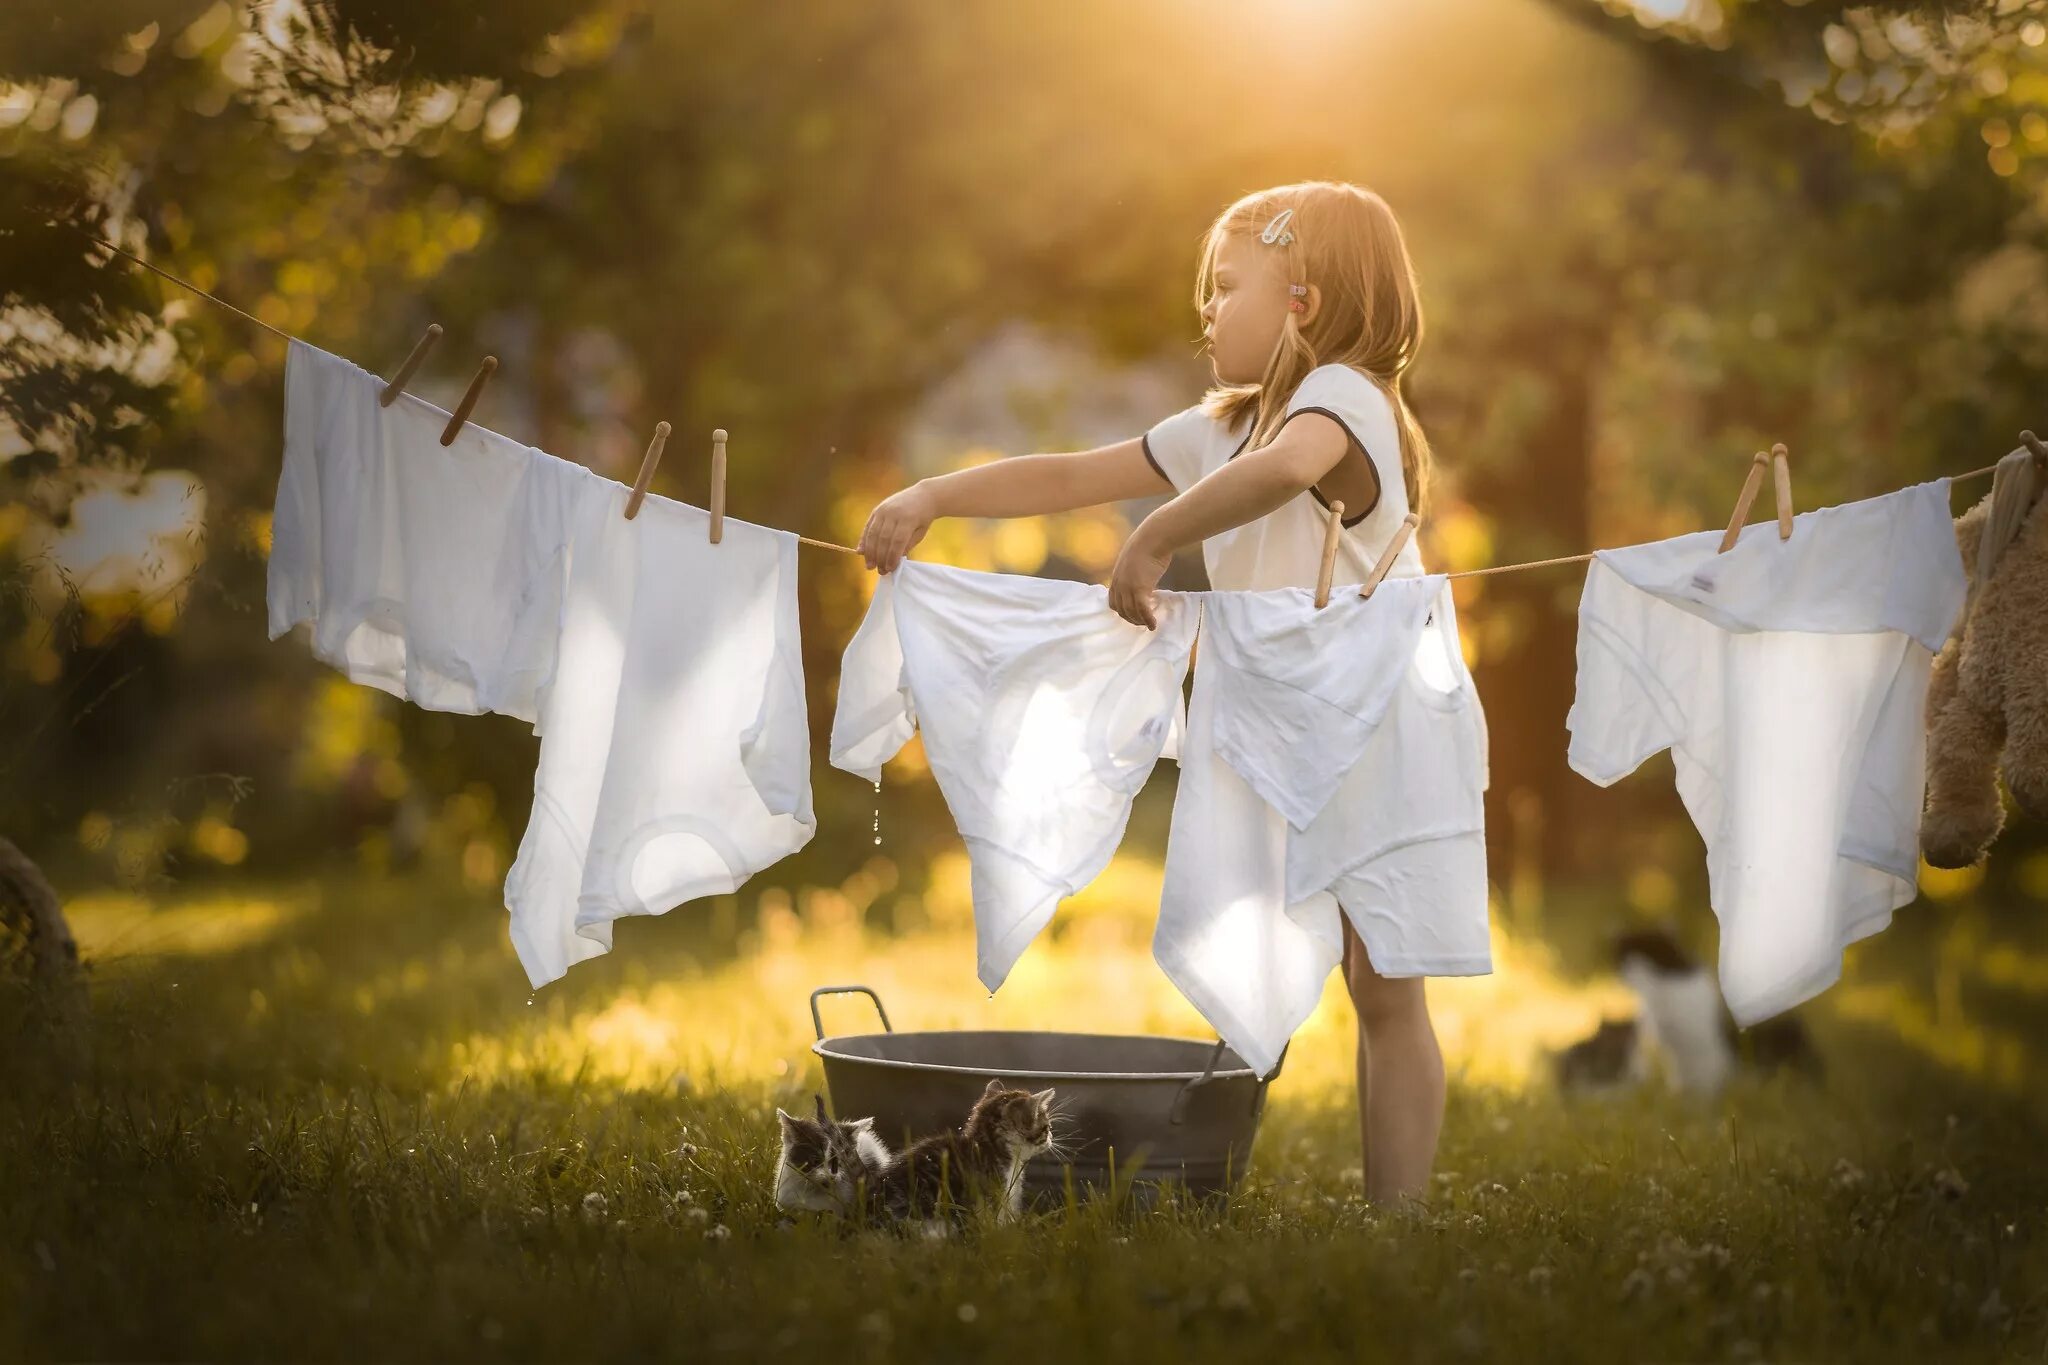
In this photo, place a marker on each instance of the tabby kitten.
(982, 1159)
(824, 1164)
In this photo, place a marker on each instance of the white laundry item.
(1266, 850)
(535, 569)
(1043, 713)
(1788, 680)
(1301, 688)
(418, 566)
(675, 749)
(1283, 549)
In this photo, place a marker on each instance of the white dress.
(1249, 924)
(1283, 549)
(1334, 761)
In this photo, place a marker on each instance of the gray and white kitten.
(825, 1165)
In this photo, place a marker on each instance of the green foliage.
(793, 223)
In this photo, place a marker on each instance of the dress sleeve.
(1174, 446)
(1361, 407)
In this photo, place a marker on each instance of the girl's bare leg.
(1400, 1078)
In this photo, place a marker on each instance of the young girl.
(1309, 309)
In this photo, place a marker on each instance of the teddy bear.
(1987, 703)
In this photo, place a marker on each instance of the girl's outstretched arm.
(1245, 489)
(1021, 486)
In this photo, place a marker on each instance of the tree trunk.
(1528, 686)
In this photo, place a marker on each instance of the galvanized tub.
(1133, 1108)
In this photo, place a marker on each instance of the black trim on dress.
(1145, 447)
(1359, 446)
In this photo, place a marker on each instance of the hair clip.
(1277, 233)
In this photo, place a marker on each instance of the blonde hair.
(1349, 246)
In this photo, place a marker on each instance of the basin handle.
(819, 1024)
(1179, 1112)
(1259, 1098)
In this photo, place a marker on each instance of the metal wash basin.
(1135, 1107)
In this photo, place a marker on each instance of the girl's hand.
(898, 522)
(1139, 567)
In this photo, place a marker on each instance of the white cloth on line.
(1283, 549)
(423, 570)
(1335, 763)
(675, 749)
(1043, 713)
(1788, 679)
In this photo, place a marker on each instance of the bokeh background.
(877, 240)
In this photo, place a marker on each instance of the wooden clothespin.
(718, 485)
(2033, 443)
(646, 474)
(1750, 485)
(469, 397)
(1387, 556)
(411, 366)
(1780, 461)
(1331, 531)
(1781, 472)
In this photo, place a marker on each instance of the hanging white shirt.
(1334, 764)
(1043, 713)
(675, 750)
(420, 568)
(1283, 549)
(1788, 679)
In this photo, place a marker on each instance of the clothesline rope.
(807, 540)
(182, 283)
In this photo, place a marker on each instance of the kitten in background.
(1683, 1018)
(826, 1166)
(1613, 1056)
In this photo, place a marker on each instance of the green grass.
(323, 1122)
